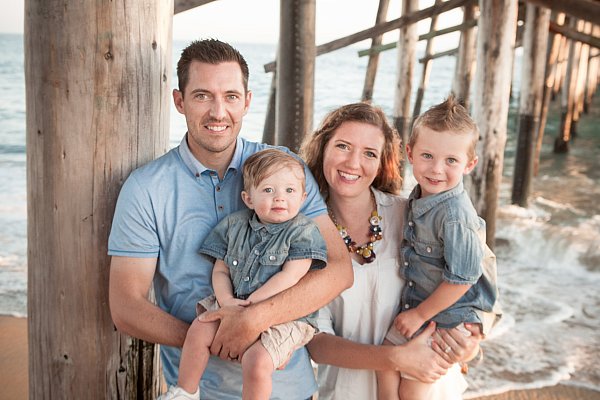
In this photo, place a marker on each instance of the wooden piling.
(97, 102)
(561, 144)
(535, 40)
(426, 70)
(495, 41)
(592, 77)
(407, 44)
(269, 127)
(465, 61)
(555, 43)
(295, 72)
(367, 94)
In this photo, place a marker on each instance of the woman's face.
(352, 158)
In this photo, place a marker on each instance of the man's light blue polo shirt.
(165, 209)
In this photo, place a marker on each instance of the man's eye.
(232, 97)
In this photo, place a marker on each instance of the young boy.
(258, 253)
(449, 271)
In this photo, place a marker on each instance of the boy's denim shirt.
(444, 240)
(254, 251)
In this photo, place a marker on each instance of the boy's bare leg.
(257, 373)
(195, 354)
(414, 390)
(388, 382)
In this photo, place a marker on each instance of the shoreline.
(14, 373)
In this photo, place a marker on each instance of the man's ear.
(178, 100)
(470, 165)
(247, 200)
(247, 101)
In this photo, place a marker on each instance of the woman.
(355, 157)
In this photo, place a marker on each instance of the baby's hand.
(235, 302)
(408, 322)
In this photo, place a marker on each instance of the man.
(166, 208)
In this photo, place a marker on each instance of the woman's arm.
(415, 357)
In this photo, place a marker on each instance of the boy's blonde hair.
(262, 164)
(448, 116)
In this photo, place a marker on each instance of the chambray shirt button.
(410, 283)
(428, 249)
(406, 306)
(256, 252)
(246, 278)
(218, 188)
(406, 263)
(271, 258)
(235, 262)
(410, 223)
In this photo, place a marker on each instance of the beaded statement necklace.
(375, 234)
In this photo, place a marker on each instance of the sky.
(257, 21)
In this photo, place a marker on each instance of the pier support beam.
(465, 61)
(495, 41)
(407, 44)
(97, 89)
(367, 94)
(295, 72)
(535, 42)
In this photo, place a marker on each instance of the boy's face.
(440, 159)
(278, 197)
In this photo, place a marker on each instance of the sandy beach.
(14, 374)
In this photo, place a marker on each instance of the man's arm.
(239, 328)
(132, 312)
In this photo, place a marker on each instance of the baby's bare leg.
(257, 373)
(196, 351)
(388, 382)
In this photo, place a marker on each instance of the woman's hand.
(455, 346)
(416, 358)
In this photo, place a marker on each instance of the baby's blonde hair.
(262, 164)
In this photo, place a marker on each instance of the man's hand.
(237, 331)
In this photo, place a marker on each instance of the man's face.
(214, 104)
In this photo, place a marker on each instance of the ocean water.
(548, 254)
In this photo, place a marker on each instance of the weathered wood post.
(295, 72)
(426, 66)
(535, 41)
(97, 85)
(495, 41)
(367, 94)
(465, 60)
(592, 78)
(269, 128)
(407, 44)
(555, 43)
(561, 143)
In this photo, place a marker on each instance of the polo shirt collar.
(197, 168)
(421, 205)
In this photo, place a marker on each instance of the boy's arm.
(290, 274)
(442, 297)
(240, 327)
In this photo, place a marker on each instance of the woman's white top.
(364, 312)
